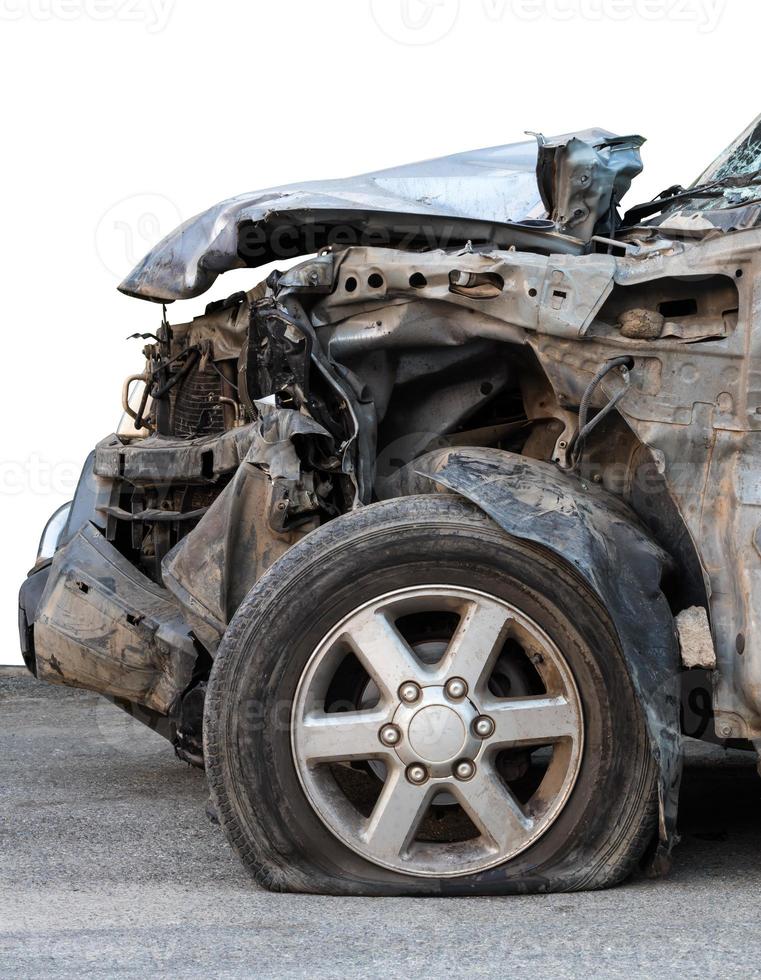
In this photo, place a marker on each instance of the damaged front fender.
(268, 505)
(603, 541)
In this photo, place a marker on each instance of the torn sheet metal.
(272, 447)
(583, 183)
(477, 195)
(211, 570)
(245, 530)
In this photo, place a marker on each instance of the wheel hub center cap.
(437, 731)
(437, 734)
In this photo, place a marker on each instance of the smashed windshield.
(741, 159)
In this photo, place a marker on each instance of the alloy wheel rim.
(435, 736)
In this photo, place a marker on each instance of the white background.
(120, 118)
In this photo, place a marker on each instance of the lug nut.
(456, 688)
(390, 735)
(483, 726)
(464, 769)
(409, 692)
(417, 774)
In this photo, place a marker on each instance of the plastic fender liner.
(597, 535)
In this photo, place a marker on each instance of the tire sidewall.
(262, 804)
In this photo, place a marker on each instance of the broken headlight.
(52, 533)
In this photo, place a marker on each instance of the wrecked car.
(432, 547)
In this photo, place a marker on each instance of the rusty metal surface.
(692, 404)
(619, 359)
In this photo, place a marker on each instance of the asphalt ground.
(109, 866)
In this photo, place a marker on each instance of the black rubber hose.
(585, 427)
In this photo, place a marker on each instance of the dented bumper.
(103, 626)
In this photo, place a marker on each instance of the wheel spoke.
(396, 815)
(532, 721)
(342, 736)
(493, 809)
(476, 643)
(440, 737)
(383, 652)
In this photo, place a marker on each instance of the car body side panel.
(694, 400)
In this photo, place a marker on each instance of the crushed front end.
(617, 353)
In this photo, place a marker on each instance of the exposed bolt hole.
(678, 308)
(350, 285)
(207, 465)
(739, 274)
(375, 281)
(532, 292)
(83, 587)
(477, 285)
(487, 388)
(418, 280)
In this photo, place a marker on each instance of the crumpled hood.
(485, 195)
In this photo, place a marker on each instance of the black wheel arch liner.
(605, 544)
